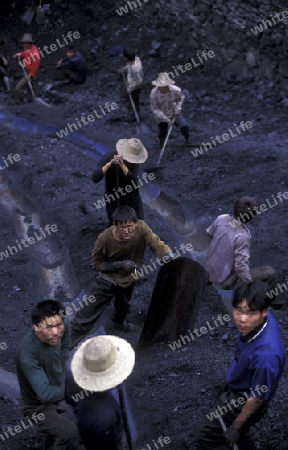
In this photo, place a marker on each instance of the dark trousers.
(60, 429)
(19, 90)
(211, 436)
(100, 424)
(70, 76)
(104, 292)
(135, 97)
(179, 122)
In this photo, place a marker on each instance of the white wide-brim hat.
(163, 80)
(102, 362)
(132, 150)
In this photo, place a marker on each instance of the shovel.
(35, 99)
(224, 428)
(166, 140)
(141, 127)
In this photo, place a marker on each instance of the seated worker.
(40, 366)
(253, 376)
(227, 260)
(134, 76)
(31, 62)
(4, 67)
(73, 66)
(120, 171)
(117, 253)
(98, 366)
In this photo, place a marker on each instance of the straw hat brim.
(123, 150)
(108, 379)
(162, 83)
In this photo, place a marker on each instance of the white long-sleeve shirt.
(164, 106)
(134, 75)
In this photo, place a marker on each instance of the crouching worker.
(118, 252)
(99, 365)
(73, 66)
(253, 376)
(40, 365)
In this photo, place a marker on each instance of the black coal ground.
(170, 391)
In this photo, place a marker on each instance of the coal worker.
(98, 366)
(166, 103)
(227, 260)
(30, 61)
(4, 67)
(73, 66)
(254, 374)
(40, 365)
(121, 177)
(135, 75)
(117, 253)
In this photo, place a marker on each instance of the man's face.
(163, 90)
(245, 319)
(125, 231)
(27, 46)
(70, 54)
(50, 331)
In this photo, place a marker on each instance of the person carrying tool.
(4, 67)
(40, 364)
(73, 66)
(31, 64)
(227, 260)
(134, 76)
(117, 253)
(166, 102)
(99, 367)
(253, 376)
(120, 172)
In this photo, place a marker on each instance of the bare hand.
(17, 55)
(117, 159)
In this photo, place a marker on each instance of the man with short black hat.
(94, 389)
(227, 260)
(121, 170)
(30, 62)
(166, 102)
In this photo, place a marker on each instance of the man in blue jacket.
(254, 374)
(73, 66)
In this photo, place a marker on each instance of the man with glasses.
(117, 253)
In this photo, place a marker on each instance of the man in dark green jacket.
(40, 365)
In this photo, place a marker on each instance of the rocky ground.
(171, 391)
